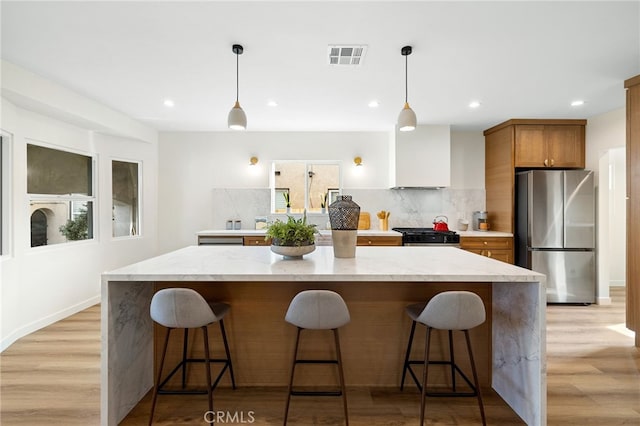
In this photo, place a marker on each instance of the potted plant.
(292, 238)
(323, 202)
(287, 201)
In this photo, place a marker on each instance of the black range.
(428, 237)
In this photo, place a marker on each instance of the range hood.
(421, 159)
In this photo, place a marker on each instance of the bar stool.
(185, 308)
(318, 310)
(449, 310)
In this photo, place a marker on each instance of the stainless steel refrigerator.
(555, 231)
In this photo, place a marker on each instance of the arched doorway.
(38, 229)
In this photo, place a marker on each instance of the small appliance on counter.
(480, 221)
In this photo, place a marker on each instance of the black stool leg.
(157, 384)
(226, 349)
(343, 388)
(293, 370)
(207, 363)
(453, 361)
(426, 375)
(184, 357)
(408, 354)
(475, 377)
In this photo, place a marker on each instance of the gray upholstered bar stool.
(318, 310)
(185, 308)
(449, 310)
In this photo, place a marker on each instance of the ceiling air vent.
(347, 54)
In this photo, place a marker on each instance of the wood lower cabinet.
(499, 248)
(256, 241)
(379, 240)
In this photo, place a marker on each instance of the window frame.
(66, 198)
(6, 218)
(140, 225)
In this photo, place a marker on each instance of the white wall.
(193, 165)
(41, 285)
(605, 142)
(467, 160)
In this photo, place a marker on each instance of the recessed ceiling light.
(474, 104)
(272, 104)
(374, 104)
(577, 103)
(169, 103)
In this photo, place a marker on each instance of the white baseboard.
(603, 300)
(43, 322)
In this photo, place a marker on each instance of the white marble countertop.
(259, 232)
(240, 263)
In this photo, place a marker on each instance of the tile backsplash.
(408, 207)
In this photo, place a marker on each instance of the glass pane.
(321, 178)
(50, 171)
(291, 175)
(125, 198)
(309, 185)
(58, 221)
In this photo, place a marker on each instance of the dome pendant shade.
(407, 119)
(237, 118)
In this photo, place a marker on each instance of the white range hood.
(421, 158)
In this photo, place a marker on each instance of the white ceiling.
(519, 59)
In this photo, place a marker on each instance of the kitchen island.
(376, 285)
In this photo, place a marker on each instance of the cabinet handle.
(257, 242)
(485, 243)
(369, 242)
(552, 162)
(546, 163)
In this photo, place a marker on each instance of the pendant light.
(237, 119)
(407, 118)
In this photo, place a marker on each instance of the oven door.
(432, 244)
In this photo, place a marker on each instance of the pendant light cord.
(406, 79)
(237, 76)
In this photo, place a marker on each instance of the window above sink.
(305, 184)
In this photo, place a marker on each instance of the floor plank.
(52, 376)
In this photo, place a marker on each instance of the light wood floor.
(53, 377)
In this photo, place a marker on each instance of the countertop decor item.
(440, 224)
(383, 215)
(293, 238)
(344, 214)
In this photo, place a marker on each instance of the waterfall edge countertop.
(402, 263)
(376, 284)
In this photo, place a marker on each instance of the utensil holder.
(384, 224)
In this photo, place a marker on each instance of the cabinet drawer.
(380, 241)
(256, 241)
(486, 243)
(501, 255)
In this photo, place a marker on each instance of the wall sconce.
(253, 161)
(357, 161)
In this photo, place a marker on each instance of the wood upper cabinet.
(526, 144)
(549, 145)
(499, 248)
